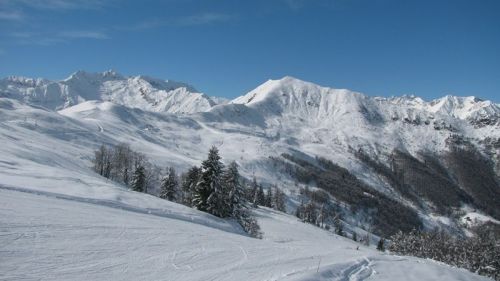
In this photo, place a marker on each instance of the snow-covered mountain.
(293, 97)
(141, 92)
(405, 149)
(388, 163)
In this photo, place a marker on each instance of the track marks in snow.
(359, 271)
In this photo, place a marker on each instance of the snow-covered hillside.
(53, 237)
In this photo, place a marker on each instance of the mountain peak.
(167, 85)
(142, 92)
(84, 75)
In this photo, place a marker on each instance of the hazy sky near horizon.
(228, 47)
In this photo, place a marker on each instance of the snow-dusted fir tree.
(299, 212)
(169, 185)
(231, 182)
(268, 200)
(339, 225)
(309, 213)
(139, 179)
(209, 184)
(321, 216)
(189, 181)
(381, 245)
(279, 200)
(252, 191)
(260, 197)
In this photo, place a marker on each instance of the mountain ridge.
(468, 107)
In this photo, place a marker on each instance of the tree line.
(479, 254)
(212, 187)
(322, 212)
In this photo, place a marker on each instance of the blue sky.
(226, 48)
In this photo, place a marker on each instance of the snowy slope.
(53, 238)
(136, 92)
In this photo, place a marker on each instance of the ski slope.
(49, 237)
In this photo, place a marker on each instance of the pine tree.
(339, 226)
(249, 224)
(252, 194)
(321, 216)
(139, 179)
(310, 213)
(380, 245)
(354, 237)
(279, 200)
(231, 182)
(366, 239)
(209, 188)
(169, 186)
(189, 181)
(260, 197)
(268, 201)
(299, 212)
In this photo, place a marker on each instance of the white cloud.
(83, 34)
(206, 18)
(56, 4)
(53, 38)
(192, 20)
(11, 15)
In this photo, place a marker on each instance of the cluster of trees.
(121, 164)
(212, 188)
(321, 212)
(387, 216)
(273, 198)
(443, 182)
(480, 254)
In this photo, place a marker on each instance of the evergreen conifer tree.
(189, 181)
(279, 200)
(139, 179)
(380, 245)
(268, 201)
(310, 213)
(236, 198)
(169, 186)
(339, 226)
(209, 188)
(260, 197)
(252, 195)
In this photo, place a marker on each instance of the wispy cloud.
(83, 34)
(192, 20)
(56, 4)
(206, 18)
(11, 15)
(297, 5)
(53, 38)
(294, 4)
